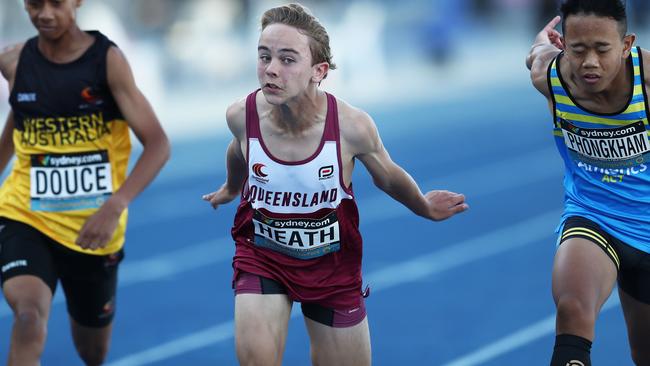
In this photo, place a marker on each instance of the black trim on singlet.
(550, 86)
(642, 75)
(46, 89)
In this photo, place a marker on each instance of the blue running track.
(473, 290)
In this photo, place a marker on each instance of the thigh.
(90, 286)
(349, 346)
(24, 251)
(586, 263)
(262, 312)
(584, 269)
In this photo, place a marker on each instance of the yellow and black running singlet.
(71, 142)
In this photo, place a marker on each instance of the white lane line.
(204, 338)
(517, 339)
(482, 247)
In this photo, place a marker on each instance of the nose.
(46, 13)
(591, 60)
(272, 68)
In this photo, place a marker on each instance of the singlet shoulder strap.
(642, 79)
(252, 118)
(331, 132)
(553, 78)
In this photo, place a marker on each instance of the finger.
(208, 196)
(458, 209)
(457, 198)
(215, 203)
(554, 22)
(86, 240)
(100, 243)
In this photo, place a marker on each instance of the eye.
(265, 58)
(603, 50)
(578, 50)
(287, 60)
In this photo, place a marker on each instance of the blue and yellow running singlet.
(606, 159)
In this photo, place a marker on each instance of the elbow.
(166, 149)
(529, 61)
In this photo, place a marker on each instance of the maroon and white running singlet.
(297, 223)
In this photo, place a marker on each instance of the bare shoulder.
(236, 118)
(9, 60)
(357, 128)
(116, 60)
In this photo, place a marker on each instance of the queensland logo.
(259, 174)
(575, 363)
(89, 95)
(326, 172)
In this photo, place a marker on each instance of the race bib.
(619, 147)
(298, 237)
(65, 182)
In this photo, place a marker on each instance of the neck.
(302, 111)
(60, 49)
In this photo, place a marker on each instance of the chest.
(42, 90)
(292, 146)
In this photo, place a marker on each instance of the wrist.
(117, 203)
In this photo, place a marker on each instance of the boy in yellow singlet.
(63, 208)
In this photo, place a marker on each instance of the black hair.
(614, 9)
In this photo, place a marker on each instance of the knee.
(256, 354)
(93, 355)
(574, 312)
(30, 324)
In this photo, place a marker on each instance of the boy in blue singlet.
(594, 81)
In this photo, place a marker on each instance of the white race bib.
(64, 182)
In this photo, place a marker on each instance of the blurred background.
(199, 55)
(446, 83)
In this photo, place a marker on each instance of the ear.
(319, 72)
(628, 42)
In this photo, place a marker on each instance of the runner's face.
(52, 18)
(595, 50)
(284, 63)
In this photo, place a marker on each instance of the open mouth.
(272, 86)
(591, 78)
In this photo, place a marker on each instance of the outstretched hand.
(444, 204)
(219, 197)
(551, 36)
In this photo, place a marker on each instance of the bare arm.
(7, 142)
(8, 62)
(547, 45)
(142, 120)
(236, 167)
(395, 181)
